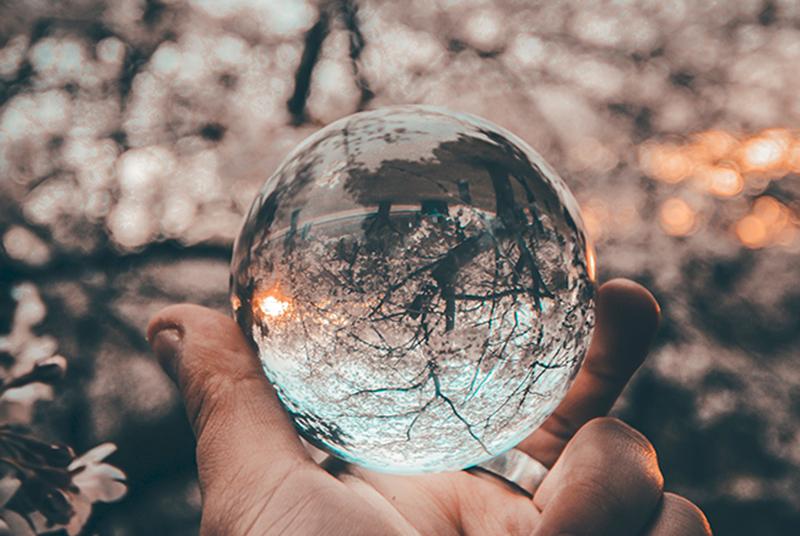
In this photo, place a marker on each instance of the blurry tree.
(135, 133)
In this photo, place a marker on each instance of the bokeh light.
(769, 222)
(724, 165)
(677, 218)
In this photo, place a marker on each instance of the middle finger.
(627, 317)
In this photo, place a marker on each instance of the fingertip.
(166, 344)
(170, 317)
(174, 316)
(627, 321)
(209, 343)
(199, 323)
(630, 300)
(232, 408)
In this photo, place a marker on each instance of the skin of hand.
(257, 478)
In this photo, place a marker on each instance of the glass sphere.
(419, 287)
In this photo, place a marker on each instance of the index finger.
(233, 409)
(627, 318)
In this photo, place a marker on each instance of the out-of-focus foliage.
(135, 133)
(44, 487)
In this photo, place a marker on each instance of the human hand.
(257, 478)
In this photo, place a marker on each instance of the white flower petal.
(95, 455)
(8, 487)
(109, 471)
(101, 488)
(97, 472)
(101, 482)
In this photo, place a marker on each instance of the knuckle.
(211, 384)
(649, 484)
(622, 445)
(619, 434)
(685, 515)
(596, 492)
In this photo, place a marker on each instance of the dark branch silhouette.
(313, 41)
(349, 13)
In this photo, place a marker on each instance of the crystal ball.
(419, 287)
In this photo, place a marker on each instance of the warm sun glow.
(712, 145)
(769, 210)
(731, 161)
(272, 306)
(595, 215)
(793, 157)
(271, 303)
(751, 231)
(591, 262)
(770, 222)
(723, 181)
(727, 166)
(677, 218)
(762, 154)
(667, 163)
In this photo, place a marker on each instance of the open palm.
(257, 477)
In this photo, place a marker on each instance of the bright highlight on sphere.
(419, 287)
(272, 306)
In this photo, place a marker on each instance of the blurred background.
(135, 133)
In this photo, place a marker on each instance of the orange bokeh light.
(793, 157)
(667, 163)
(677, 218)
(713, 145)
(751, 231)
(770, 222)
(723, 165)
(770, 210)
(761, 154)
(595, 216)
(721, 162)
(723, 181)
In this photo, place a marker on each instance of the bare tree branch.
(349, 13)
(314, 39)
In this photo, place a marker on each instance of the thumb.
(234, 411)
